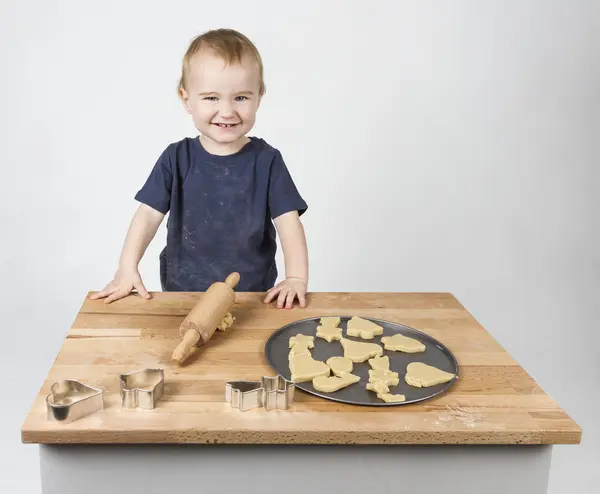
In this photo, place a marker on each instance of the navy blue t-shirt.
(220, 213)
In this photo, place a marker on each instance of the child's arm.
(295, 252)
(142, 229)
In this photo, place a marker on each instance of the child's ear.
(185, 99)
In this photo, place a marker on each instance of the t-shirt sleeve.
(156, 192)
(283, 193)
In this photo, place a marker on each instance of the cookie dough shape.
(334, 383)
(389, 378)
(332, 322)
(302, 339)
(329, 333)
(340, 365)
(305, 368)
(358, 351)
(401, 343)
(226, 322)
(362, 328)
(299, 349)
(391, 398)
(380, 363)
(378, 387)
(421, 375)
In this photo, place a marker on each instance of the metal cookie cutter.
(142, 388)
(278, 393)
(270, 392)
(70, 400)
(244, 395)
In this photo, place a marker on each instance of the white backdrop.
(441, 146)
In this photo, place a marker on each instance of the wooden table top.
(494, 401)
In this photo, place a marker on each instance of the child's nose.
(226, 109)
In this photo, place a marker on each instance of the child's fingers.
(103, 293)
(291, 296)
(117, 295)
(142, 289)
(302, 299)
(281, 298)
(271, 292)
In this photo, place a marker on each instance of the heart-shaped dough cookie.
(340, 365)
(362, 328)
(401, 343)
(333, 383)
(305, 368)
(358, 351)
(421, 375)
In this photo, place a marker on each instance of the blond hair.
(228, 44)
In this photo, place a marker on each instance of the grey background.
(441, 146)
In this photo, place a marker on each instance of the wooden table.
(494, 402)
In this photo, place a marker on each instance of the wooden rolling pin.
(202, 321)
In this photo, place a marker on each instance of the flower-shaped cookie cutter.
(70, 400)
(142, 388)
(271, 393)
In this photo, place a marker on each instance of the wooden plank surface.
(494, 401)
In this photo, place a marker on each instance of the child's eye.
(210, 98)
(241, 98)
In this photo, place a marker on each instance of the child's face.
(222, 99)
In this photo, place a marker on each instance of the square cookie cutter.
(142, 388)
(70, 400)
(271, 393)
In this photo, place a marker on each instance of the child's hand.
(288, 290)
(123, 284)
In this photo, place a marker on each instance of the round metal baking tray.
(435, 354)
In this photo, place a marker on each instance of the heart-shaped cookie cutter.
(142, 388)
(271, 393)
(70, 400)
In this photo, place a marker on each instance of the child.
(223, 189)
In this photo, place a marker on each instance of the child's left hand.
(288, 290)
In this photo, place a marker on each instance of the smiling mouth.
(224, 125)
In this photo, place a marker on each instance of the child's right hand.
(126, 280)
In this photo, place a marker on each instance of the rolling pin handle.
(232, 280)
(186, 346)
